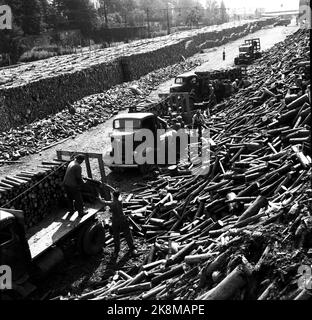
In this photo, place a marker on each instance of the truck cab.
(248, 52)
(125, 126)
(185, 83)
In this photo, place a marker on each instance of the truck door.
(14, 250)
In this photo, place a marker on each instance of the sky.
(269, 5)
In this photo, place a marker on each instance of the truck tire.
(91, 239)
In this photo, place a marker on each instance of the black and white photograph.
(155, 154)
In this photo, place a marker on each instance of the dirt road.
(97, 139)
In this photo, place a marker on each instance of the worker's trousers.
(199, 128)
(122, 226)
(75, 201)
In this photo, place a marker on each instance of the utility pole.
(105, 13)
(148, 23)
(168, 22)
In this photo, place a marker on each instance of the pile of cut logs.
(34, 192)
(244, 230)
(42, 134)
(35, 90)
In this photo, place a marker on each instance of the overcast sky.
(270, 5)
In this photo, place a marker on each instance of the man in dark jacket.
(120, 224)
(73, 183)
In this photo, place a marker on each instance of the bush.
(40, 53)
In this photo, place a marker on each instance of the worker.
(212, 96)
(120, 224)
(223, 55)
(198, 122)
(235, 85)
(192, 97)
(73, 184)
(180, 121)
(176, 125)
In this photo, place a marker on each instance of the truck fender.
(91, 239)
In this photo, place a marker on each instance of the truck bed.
(55, 227)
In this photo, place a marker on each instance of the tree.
(50, 16)
(194, 17)
(137, 17)
(32, 17)
(223, 14)
(212, 16)
(78, 14)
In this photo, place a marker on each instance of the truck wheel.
(91, 239)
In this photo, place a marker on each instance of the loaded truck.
(248, 52)
(282, 22)
(32, 254)
(199, 81)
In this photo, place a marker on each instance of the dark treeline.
(36, 17)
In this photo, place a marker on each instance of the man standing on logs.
(198, 123)
(73, 183)
(120, 224)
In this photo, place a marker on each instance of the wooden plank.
(102, 169)
(88, 166)
(56, 227)
(71, 153)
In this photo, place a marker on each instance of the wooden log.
(235, 281)
(174, 271)
(180, 255)
(254, 208)
(137, 287)
(198, 258)
(153, 292)
(216, 264)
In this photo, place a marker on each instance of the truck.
(31, 254)
(199, 81)
(248, 52)
(282, 22)
(125, 126)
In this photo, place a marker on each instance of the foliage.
(35, 17)
(39, 53)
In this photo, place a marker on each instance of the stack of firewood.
(35, 90)
(36, 193)
(41, 134)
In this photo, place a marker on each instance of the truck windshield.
(244, 49)
(127, 124)
(179, 80)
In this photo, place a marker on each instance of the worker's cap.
(179, 118)
(116, 194)
(80, 157)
